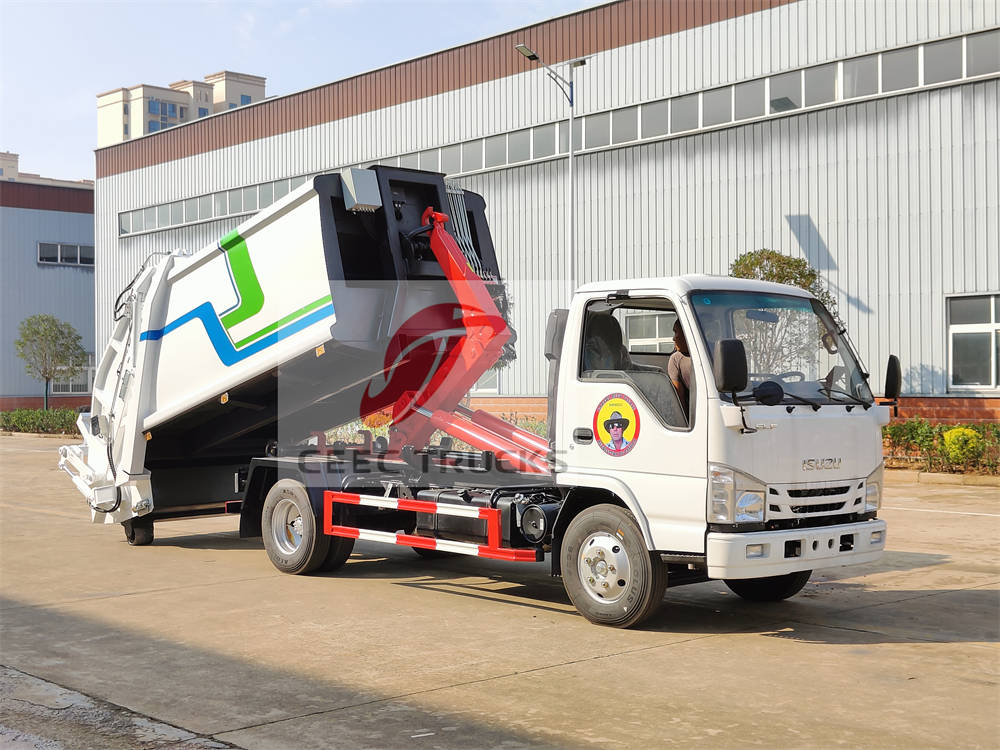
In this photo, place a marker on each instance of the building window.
(861, 77)
(451, 159)
(79, 385)
(942, 61)
(202, 112)
(125, 130)
(472, 156)
(625, 125)
(598, 130)
(171, 109)
(48, 252)
(125, 108)
(153, 126)
(786, 92)
(974, 342)
(154, 107)
(65, 253)
(983, 53)
(519, 146)
(684, 113)
(821, 84)
(232, 105)
(184, 112)
(244, 99)
(650, 332)
(655, 119)
(716, 107)
(749, 99)
(496, 151)
(899, 69)
(488, 383)
(429, 160)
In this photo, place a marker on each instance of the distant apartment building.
(46, 266)
(127, 113)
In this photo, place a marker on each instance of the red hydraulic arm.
(437, 406)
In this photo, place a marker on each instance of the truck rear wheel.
(291, 532)
(138, 531)
(770, 589)
(609, 575)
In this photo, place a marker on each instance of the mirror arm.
(746, 429)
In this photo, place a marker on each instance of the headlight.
(734, 497)
(873, 490)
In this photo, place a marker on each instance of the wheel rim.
(604, 567)
(286, 527)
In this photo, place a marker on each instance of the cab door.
(621, 424)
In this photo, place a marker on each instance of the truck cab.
(757, 483)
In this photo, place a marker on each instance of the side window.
(632, 342)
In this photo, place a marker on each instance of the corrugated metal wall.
(895, 201)
(872, 193)
(30, 288)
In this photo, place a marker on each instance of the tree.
(770, 265)
(788, 341)
(49, 348)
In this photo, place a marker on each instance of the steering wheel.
(784, 376)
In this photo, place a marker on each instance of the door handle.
(583, 435)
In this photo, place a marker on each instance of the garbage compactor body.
(295, 322)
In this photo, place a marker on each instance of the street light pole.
(566, 86)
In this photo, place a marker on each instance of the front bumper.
(775, 553)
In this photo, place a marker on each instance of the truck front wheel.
(291, 533)
(609, 575)
(771, 589)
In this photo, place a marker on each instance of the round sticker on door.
(616, 424)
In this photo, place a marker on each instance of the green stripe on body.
(285, 320)
(247, 284)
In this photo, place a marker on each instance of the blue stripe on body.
(221, 342)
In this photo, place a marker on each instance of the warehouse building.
(46, 267)
(862, 138)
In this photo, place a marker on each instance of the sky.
(57, 56)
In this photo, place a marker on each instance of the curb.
(933, 477)
(60, 435)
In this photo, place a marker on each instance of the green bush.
(961, 448)
(39, 420)
(962, 445)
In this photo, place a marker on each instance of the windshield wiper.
(830, 391)
(814, 404)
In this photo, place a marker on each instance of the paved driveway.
(197, 641)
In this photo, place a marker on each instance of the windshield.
(792, 341)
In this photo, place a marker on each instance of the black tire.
(601, 597)
(338, 554)
(290, 529)
(771, 589)
(138, 531)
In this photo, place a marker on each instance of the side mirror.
(893, 378)
(730, 366)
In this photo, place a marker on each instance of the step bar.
(492, 549)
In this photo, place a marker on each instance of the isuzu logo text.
(818, 464)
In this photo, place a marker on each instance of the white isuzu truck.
(377, 293)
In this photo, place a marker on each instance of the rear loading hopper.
(336, 302)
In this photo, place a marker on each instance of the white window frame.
(480, 388)
(65, 388)
(991, 327)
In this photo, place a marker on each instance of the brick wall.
(9, 403)
(949, 409)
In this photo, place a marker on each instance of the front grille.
(819, 492)
(822, 508)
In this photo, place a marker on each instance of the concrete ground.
(197, 642)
